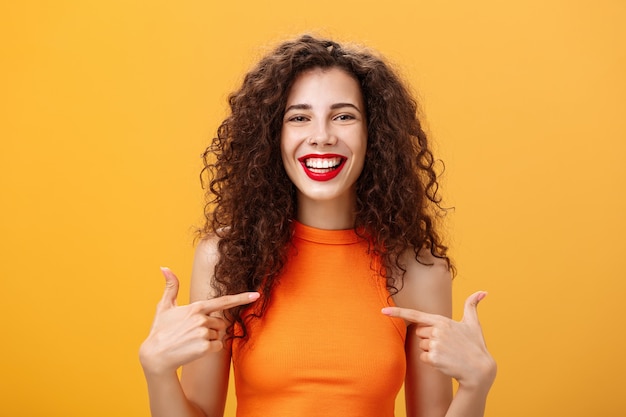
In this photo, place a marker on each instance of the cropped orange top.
(323, 348)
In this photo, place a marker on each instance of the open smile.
(322, 167)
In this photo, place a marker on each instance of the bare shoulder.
(204, 261)
(426, 285)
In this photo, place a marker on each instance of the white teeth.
(321, 163)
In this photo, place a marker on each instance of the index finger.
(227, 301)
(411, 315)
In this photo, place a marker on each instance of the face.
(324, 136)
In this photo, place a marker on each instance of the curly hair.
(251, 203)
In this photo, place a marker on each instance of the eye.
(297, 119)
(344, 117)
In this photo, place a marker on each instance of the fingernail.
(386, 311)
(480, 297)
(254, 295)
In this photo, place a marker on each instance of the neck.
(335, 214)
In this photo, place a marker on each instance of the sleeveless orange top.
(323, 348)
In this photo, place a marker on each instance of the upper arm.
(428, 288)
(205, 380)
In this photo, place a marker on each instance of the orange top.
(323, 348)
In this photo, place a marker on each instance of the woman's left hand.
(456, 348)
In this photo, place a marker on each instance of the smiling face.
(324, 138)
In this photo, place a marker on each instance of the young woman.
(320, 272)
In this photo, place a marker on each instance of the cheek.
(361, 149)
(286, 140)
(360, 157)
(289, 144)
(287, 154)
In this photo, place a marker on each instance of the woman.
(320, 219)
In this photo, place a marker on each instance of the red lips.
(322, 167)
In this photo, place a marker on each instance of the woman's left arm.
(439, 348)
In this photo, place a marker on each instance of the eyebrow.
(332, 107)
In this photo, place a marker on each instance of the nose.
(322, 136)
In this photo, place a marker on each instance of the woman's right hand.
(181, 334)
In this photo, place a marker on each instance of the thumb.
(171, 289)
(470, 313)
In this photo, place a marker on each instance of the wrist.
(153, 365)
(482, 377)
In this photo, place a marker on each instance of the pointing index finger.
(411, 315)
(228, 301)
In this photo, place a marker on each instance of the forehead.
(325, 84)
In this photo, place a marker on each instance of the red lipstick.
(322, 167)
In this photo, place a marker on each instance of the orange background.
(107, 106)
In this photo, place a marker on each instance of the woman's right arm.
(190, 335)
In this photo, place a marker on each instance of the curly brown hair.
(251, 203)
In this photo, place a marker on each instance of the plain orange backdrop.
(106, 107)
